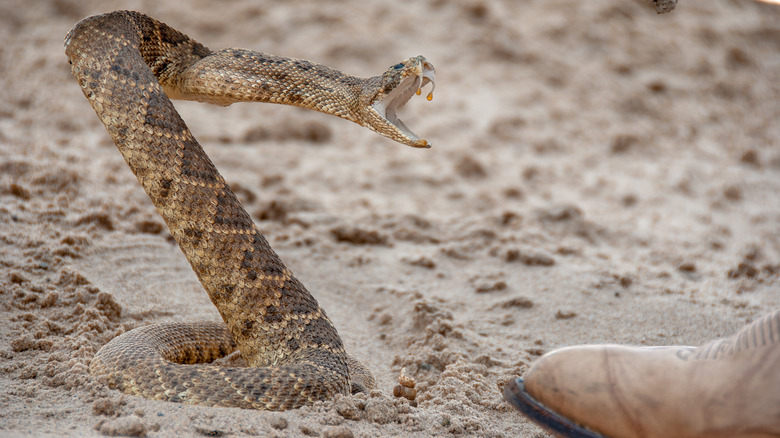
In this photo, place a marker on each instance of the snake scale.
(128, 66)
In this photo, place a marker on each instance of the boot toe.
(551, 421)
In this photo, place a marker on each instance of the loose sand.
(599, 173)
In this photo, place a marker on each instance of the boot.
(727, 388)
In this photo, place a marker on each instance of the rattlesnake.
(126, 63)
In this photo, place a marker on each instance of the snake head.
(394, 88)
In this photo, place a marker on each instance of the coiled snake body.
(126, 63)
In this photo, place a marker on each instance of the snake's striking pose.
(128, 66)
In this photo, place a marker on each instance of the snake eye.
(399, 66)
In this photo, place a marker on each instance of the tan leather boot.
(727, 388)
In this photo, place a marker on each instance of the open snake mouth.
(416, 77)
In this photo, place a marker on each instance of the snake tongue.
(389, 106)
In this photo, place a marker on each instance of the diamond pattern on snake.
(129, 66)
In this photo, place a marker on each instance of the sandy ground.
(599, 174)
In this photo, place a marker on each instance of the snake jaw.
(403, 81)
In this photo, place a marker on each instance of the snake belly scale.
(128, 65)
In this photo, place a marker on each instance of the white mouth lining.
(389, 106)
